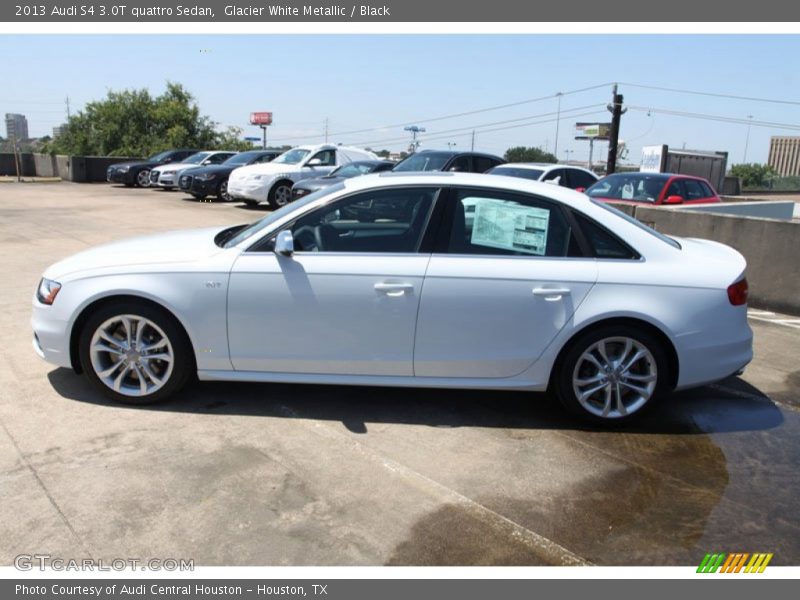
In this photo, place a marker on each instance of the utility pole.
(67, 103)
(558, 121)
(414, 129)
(16, 155)
(472, 146)
(747, 138)
(326, 130)
(616, 110)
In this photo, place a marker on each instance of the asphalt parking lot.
(263, 474)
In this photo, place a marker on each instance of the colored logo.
(735, 563)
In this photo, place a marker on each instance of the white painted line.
(774, 321)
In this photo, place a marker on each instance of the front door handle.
(394, 289)
(551, 294)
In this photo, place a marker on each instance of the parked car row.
(279, 178)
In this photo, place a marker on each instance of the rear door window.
(694, 191)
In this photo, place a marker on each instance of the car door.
(696, 193)
(506, 276)
(345, 302)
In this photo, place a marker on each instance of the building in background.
(16, 126)
(58, 130)
(784, 155)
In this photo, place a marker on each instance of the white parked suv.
(167, 176)
(272, 182)
(566, 176)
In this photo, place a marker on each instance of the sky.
(384, 82)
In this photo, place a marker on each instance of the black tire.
(222, 191)
(142, 178)
(280, 194)
(183, 367)
(565, 374)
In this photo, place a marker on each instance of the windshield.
(534, 174)
(424, 161)
(292, 157)
(635, 187)
(352, 170)
(639, 224)
(242, 158)
(160, 156)
(257, 226)
(196, 159)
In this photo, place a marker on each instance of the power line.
(712, 94)
(718, 118)
(454, 115)
(563, 115)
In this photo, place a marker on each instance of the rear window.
(639, 224)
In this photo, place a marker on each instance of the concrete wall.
(80, 169)
(7, 167)
(771, 247)
(770, 209)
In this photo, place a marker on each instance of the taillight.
(737, 292)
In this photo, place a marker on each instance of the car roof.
(454, 153)
(450, 178)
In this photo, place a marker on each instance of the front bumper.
(249, 189)
(199, 187)
(115, 176)
(50, 335)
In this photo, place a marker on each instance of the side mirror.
(674, 200)
(314, 162)
(284, 243)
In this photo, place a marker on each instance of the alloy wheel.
(131, 355)
(282, 195)
(143, 178)
(615, 377)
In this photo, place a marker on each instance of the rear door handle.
(393, 289)
(551, 294)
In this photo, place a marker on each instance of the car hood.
(270, 168)
(176, 166)
(319, 182)
(161, 248)
(218, 169)
(135, 163)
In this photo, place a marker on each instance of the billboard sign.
(260, 118)
(653, 159)
(592, 131)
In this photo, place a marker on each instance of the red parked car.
(653, 188)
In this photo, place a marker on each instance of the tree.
(523, 154)
(133, 123)
(753, 174)
(383, 153)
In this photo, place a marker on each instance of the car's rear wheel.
(222, 191)
(135, 353)
(143, 178)
(612, 374)
(280, 194)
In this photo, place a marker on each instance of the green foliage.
(134, 123)
(753, 174)
(523, 154)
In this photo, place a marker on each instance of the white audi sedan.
(382, 280)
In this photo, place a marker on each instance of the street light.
(747, 138)
(414, 129)
(568, 152)
(558, 120)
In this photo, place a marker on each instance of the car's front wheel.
(280, 194)
(222, 191)
(143, 178)
(135, 353)
(612, 374)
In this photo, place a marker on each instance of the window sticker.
(509, 226)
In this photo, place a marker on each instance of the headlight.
(299, 192)
(47, 291)
(167, 172)
(124, 169)
(206, 176)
